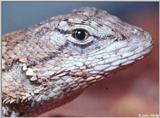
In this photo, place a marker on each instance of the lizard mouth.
(138, 55)
(122, 55)
(132, 56)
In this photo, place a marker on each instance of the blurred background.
(131, 92)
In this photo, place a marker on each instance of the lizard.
(51, 63)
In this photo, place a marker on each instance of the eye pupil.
(79, 34)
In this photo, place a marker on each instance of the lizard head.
(98, 42)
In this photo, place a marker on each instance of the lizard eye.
(80, 34)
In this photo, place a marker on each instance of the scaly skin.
(49, 64)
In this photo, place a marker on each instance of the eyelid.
(88, 29)
(80, 28)
(78, 42)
